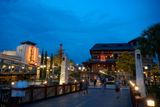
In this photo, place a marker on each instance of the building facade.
(104, 57)
(22, 62)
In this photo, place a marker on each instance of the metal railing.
(36, 93)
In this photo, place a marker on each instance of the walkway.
(95, 98)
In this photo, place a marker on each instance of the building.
(28, 52)
(104, 57)
(23, 61)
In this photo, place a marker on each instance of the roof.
(112, 47)
(28, 43)
(135, 39)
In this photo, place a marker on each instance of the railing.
(139, 101)
(36, 93)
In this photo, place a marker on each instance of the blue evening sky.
(77, 24)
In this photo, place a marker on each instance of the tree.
(155, 72)
(149, 42)
(51, 61)
(45, 64)
(42, 62)
(126, 63)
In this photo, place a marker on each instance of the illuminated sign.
(102, 57)
(32, 55)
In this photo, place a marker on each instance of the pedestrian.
(95, 82)
(80, 87)
(117, 88)
(103, 81)
(86, 83)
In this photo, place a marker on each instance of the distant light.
(145, 67)
(22, 67)
(132, 84)
(136, 88)
(4, 66)
(150, 103)
(12, 83)
(83, 80)
(9, 67)
(83, 68)
(45, 82)
(79, 68)
(75, 81)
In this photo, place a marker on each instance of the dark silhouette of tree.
(42, 62)
(51, 62)
(149, 42)
(45, 64)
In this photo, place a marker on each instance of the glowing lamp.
(12, 83)
(151, 103)
(45, 82)
(136, 88)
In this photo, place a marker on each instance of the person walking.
(103, 83)
(95, 82)
(117, 88)
(85, 86)
(80, 87)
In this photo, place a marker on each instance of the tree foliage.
(149, 41)
(126, 63)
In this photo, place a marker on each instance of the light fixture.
(145, 67)
(150, 103)
(12, 83)
(45, 82)
(136, 88)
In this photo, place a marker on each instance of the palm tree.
(149, 42)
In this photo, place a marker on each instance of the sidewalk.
(95, 98)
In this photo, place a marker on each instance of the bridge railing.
(36, 93)
(139, 101)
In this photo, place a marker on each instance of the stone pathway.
(95, 98)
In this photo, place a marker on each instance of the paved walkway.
(95, 98)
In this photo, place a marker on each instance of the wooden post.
(75, 87)
(70, 87)
(63, 86)
(55, 90)
(31, 95)
(45, 91)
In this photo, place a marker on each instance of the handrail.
(36, 93)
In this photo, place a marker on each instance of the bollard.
(138, 100)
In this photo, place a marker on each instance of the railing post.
(55, 90)
(31, 95)
(75, 87)
(63, 86)
(45, 91)
(70, 87)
